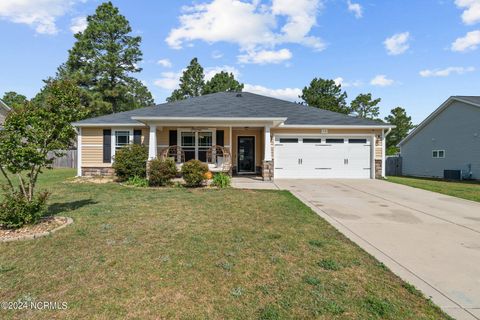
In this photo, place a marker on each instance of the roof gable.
(3, 106)
(470, 100)
(235, 105)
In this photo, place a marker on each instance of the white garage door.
(322, 157)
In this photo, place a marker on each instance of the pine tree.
(101, 63)
(325, 94)
(191, 82)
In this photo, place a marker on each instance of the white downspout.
(79, 152)
(384, 136)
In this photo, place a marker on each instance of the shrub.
(161, 172)
(221, 180)
(137, 182)
(193, 172)
(16, 210)
(131, 161)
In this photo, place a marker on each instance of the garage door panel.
(323, 160)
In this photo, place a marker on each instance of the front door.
(246, 155)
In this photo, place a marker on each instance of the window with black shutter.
(220, 138)
(107, 146)
(137, 136)
(172, 138)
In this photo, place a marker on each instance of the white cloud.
(397, 44)
(166, 63)
(471, 13)
(265, 56)
(211, 71)
(345, 84)
(445, 72)
(39, 14)
(467, 43)
(381, 80)
(78, 24)
(356, 8)
(169, 80)
(290, 94)
(253, 26)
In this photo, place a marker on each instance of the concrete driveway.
(430, 240)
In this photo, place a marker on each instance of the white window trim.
(438, 154)
(196, 131)
(113, 142)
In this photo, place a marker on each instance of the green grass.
(140, 253)
(469, 190)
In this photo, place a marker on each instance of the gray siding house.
(448, 139)
(4, 110)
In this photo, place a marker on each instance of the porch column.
(267, 163)
(267, 156)
(152, 143)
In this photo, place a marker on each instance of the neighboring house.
(448, 139)
(4, 110)
(266, 136)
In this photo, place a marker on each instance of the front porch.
(236, 150)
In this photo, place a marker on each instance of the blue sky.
(410, 53)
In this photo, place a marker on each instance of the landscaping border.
(39, 234)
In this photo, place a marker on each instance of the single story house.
(448, 139)
(261, 135)
(4, 110)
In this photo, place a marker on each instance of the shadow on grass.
(56, 208)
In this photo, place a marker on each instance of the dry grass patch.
(184, 254)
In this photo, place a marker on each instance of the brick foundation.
(378, 169)
(267, 170)
(97, 171)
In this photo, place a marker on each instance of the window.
(438, 154)
(288, 140)
(196, 144)
(122, 138)
(335, 141)
(312, 140)
(357, 141)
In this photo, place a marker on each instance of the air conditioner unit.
(452, 174)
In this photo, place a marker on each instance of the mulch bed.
(46, 225)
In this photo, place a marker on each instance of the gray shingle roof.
(472, 99)
(231, 104)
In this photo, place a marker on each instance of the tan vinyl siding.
(92, 136)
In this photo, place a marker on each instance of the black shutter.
(172, 138)
(137, 136)
(107, 146)
(221, 137)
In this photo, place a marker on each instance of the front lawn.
(196, 253)
(469, 190)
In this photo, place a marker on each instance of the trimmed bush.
(161, 172)
(131, 161)
(221, 180)
(193, 172)
(16, 211)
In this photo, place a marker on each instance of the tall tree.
(102, 61)
(192, 82)
(325, 94)
(399, 118)
(364, 107)
(14, 100)
(222, 82)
